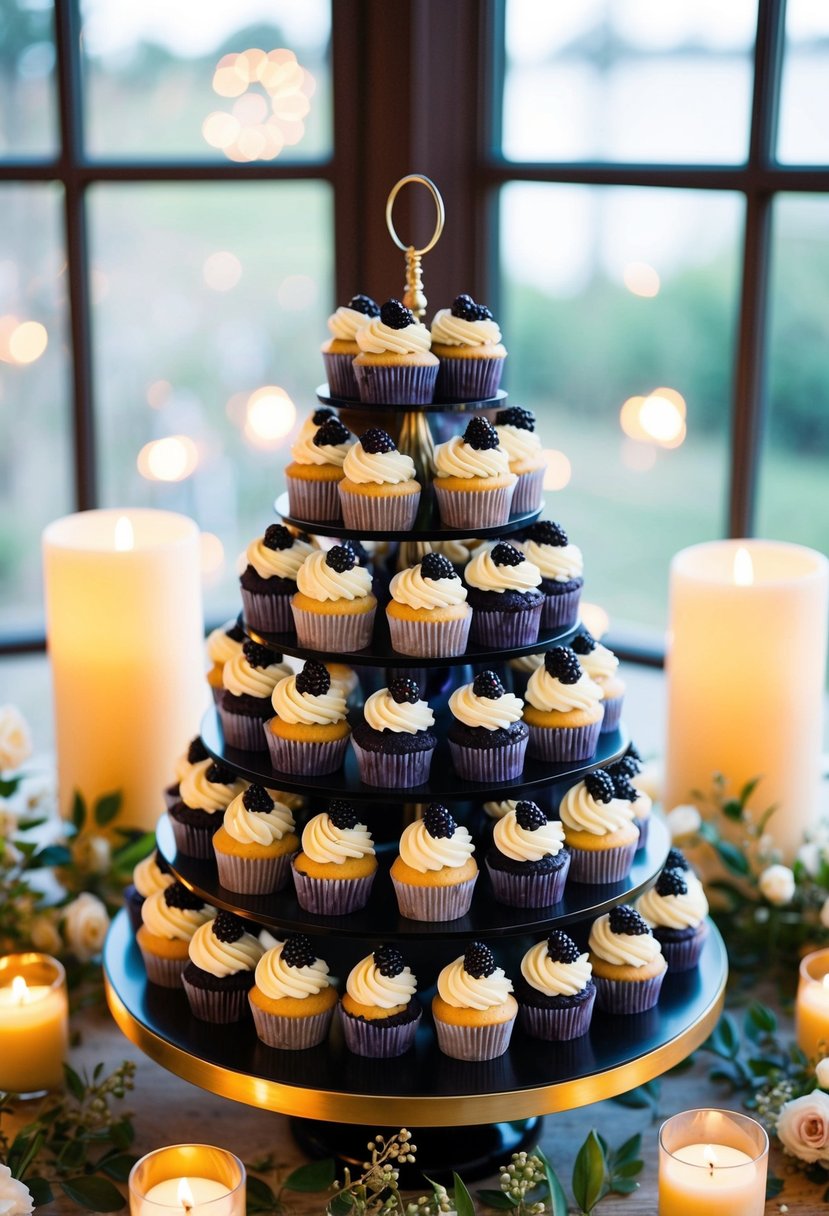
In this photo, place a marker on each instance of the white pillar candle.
(125, 637)
(746, 669)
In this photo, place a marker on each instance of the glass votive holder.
(34, 1024)
(196, 1179)
(811, 1012)
(713, 1162)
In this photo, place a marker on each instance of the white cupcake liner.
(474, 508)
(560, 611)
(394, 513)
(299, 759)
(601, 866)
(612, 714)
(434, 903)
(290, 1034)
(374, 1039)
(318, 501)
(529, 890)
(489, 764)
(501, 629)
(529, 492)
(394, 770)
(333, 634)
(474, 1042)
(628, 996)
(558, 744)
(166, 972)
(429, 639)
(218, 1005)
(331, 896)
(271, 613)
(557, 1025)
(339, 373)
(242, 731)
(253, 875)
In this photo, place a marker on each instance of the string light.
(263, 122)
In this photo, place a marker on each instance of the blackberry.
(624, 767)
(481, 435)
(530, 816)
(258, 655)
(516, 416)
(676, 860)
(600, 786)
(313, 679)
(633, 753)
(464, 306)
(627, 920)
(297, 951)
(257, 798)
(341, 558)
(388, 960)
(545, 532)
(623, 788)
(435, 566)
(220, 774)
(196, 751)
(584, 643)
(359, 550)
(177, 896)
(342, 814)
(236, 633)
(396, 315)
(439, 822)
(486, 684)
(478, 960)
(561, 948)
(405, 691)
(331, 434)
(277, 536)
(376, 440)
(562, 663)
(365, 305)
(228, 927)
(322, 415)
(482, 313)
(671, 882)
(505, 554)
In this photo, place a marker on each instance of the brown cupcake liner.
(557, 1025)
(253, 875)
(468, 379)
(601, 866)
(195, 841)
(219, 1005)
(333, 634)
(474, 508)
(271, 613)
(291, 1034)
(394, 513)
(375, 1040)
(242, 731)
(529, 890)
(317, 501)
(529, 492)
(166, 972)
(628, 996)
(299, 759)
(684, 955)
(394, 770)
(612, 714)
(502, 629)
(489, 764)
(558, 744)
(474, 1042)
(402, 384)
(429, 639)
(561, 611)
(331, 896)
(339, 372)
(434, 903)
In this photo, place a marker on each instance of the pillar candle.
(746, 669)
(812, 1006)
(34, 1023)
(713, 1162)
(125, 629)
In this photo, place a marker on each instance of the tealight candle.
(812, 1005)
(188, 1179)
(712, 1161)
(34, 1023)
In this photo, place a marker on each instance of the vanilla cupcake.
(196, 752)
(676, 908)
(393, 740)
(334, 872)
(341, 349)
(467, 341)
(256, 843)
(308, 734)
(220, 973)
(599, 830)
(379, 1011)
(205, 793)
(628, 966)
(522, 443)
(395, 365)
(315, 470)
(269, 578)
(428, 614)
(334, 606)
(528, 863)
(249, 680)
(601, 665)
(561, 565)
(222, 644)
(435, 873)
(169, 918)
(474, 1010)
(380, 489)
(556, 993)
(150, 875)
(504, 596)
(564, 710)
(473, 483)
(487, 737)
(293, 997)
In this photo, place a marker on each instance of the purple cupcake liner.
(474, 508)
(375, 1040)
(474, 1042)
(557, 1025)
(220, 1005)
(396, 513)
(333, 634)
(253, 875)
(394, 770)
(560, 743)
(318, 501)
(628, 996)
(529, 492)
(429, 639)
(434, 903)
(600, 866)
(331, 896)
(684, 955)
(171, 794)
(468, 379)
(489, 764)
(291, 1034)
(644, 826)
(242, 731)
(502, 629)
(195, 841)
(217, 694)
(166, 972)
(339, 372)
(612, 714)
(300, 759)
(269, 612)
(529, 890)
(401, 384)
(561, 611)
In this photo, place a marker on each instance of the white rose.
(15, 1199)
(86, 923)
(822, 1073)
(683, 821)
(809, 856)
(15, 739)
(803, 1127)
(777, 885)
(92, 854)
(824, 914)
(651, 780)
(44, 934)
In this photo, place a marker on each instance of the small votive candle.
(34, 1023)
(713, 1162)
(191, 1179)
(811, 1015)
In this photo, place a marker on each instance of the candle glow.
(185, 1195)
(743, 568)
(124, 535)
(34, 1031)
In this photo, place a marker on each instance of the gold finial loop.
(414, 297)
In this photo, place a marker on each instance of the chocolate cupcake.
(205, 793)
(256, 843)
(487, 738)
(149, 876)
(676, 910)
(222, 644)
(379, 1010)
(467, 341)
(435, 874)
(600, 665)
(249, 679)
(220, 974)
(341, 349)
(504, 597)
(308, 734)
(169, 918)
(269, 578)
(394, 741)
(196, 752)
(528, 863)
(628, 966)
(316, 469)
(293, 997)
(395, 365)
(380, 489)
(564, 712)
(473, 484)
(334, 872)
(334, 606)
(561, 565)
(598, 830)
(556, 993)
(522, 443)
(474, 1010)
(428, 614)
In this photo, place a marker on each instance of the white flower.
(803, 1127)
(15, 739)
(822, 1073)
(15, 1199)
(92, 854)
(777, 885)
(809, 856)
(651, 780)
(683, 821)
(824, 914)
(44, 934)
(86, 923)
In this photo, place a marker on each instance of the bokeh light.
(21, 342)
(220, 129)
(272, 95)
(658, 418)
(559, 470)
(158, 393)
(269, 416)
(172, 458)
(595, 618)
(222, 270)
(641, 279)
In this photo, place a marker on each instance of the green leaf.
(644, 1096)
(9, 786)
(52, 855)
(732, 808)
(774, 1186)
(732, 858)
(748, 789)
(759, 1020)
(28, 825)
(122, 1134)
(589, 1174)
(315, 1176)
(623, 1186)
(117, 1167)
(259, 1197)
(107, 807)
(496, 1199)
(628, 1169)
(40, 1191)
(558, 1199)
(74, 1082)
(725, 1039)
(341, 1204)
(127, 857)
(628, 1151)
(78, 812)
(464, 1204)
(94, 1194)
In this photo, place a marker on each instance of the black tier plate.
(435, 407)
(380, 921)
(443, 785)
(427, 526)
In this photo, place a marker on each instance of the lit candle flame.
(124, 535)
(710, 1157)
(743, 568)
(20, 989)
(185, 1195)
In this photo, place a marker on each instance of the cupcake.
(640, 802)
(528, 862)
(249, 679)
(314, 421)
(206, 791)
(394, 741)
(195, 754)
(395, 365)
(504, 597)
(522, 443)
(308, 734)
(600, 664)
(334, 605)
(598, 830)
(169, 918)
(547, 547)
(222, 644)
(627, 961)
(556, 993)
(379, 489)
(564, 709)
(220, 973)
(379, 1010)
(473, 484)
(334, 872)
(435, 873)
(293, 997)
(467, 342)
(474, 1010)
(149, 876)
(676, 860)
(521, 669)
(269, 578)
(676, 910)
(315, 469)
(344, 679)
(497, 810)
(487, 737)
(341, 349)
(256, 843)
(428, 614)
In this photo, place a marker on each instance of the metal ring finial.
(413, 296)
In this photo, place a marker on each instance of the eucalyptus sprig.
(530, 1185)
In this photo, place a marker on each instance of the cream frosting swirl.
(580, 812)
(224, 958)
(558, 562)
(483, 573)
(367, 986)
(457, 459)
(554, 978)
(423, 852)
(522, 845)
(384, 713)
(464, 991)
(344, 323)
(482, 711)
(200, 794)
(600, 663)
(220, 647)
(305, 451)
(546, 692)
(497, 810)
(378, 468)
(322, 582)
(674, 911)
(455, 331)
(304, 708)
(183, 767)
(176, 924)
(276, 979)
(148, 877)
(277, 563)
(327, 844)
(411, 588)
(622, 949)
(376, 338)
(257, 827)
(241, 679)
(519, 444)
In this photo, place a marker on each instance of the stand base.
(474, 1151)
